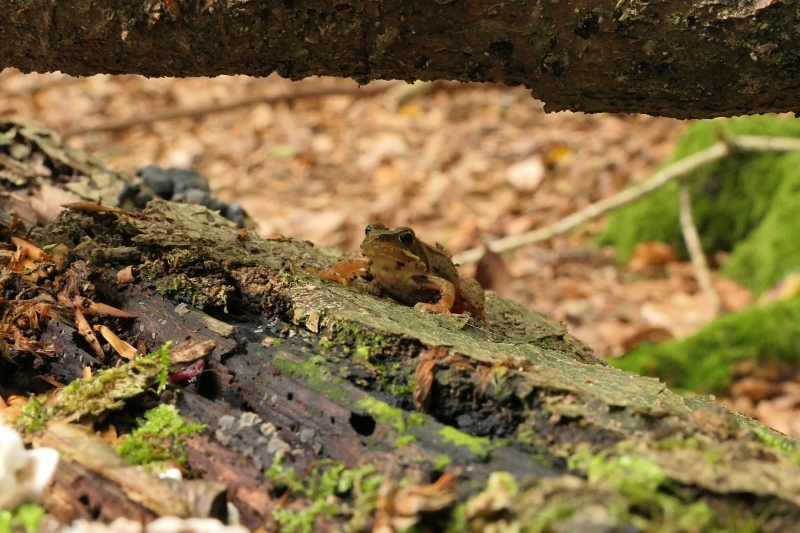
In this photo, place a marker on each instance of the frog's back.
(441, 265)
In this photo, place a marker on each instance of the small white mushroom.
(24, 474)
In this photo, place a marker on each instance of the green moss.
(441, 462)
(404, 440)
(314, 374)
(324, 486)
(26, 518)
(159, 437)
(641, 481)
(383, 413)
(628, 474)
(771, 250)
(93, 395)
(478, 446)
(704, 362)
(365, 342)
(730, 199)
(162, 356)
(775, 441)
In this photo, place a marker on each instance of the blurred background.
(460, 163)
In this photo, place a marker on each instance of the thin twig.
(739, 143)
(194, 112)
(693, 245)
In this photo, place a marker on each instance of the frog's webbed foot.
(344, 272)
(447, 295)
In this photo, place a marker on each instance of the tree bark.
(672, 58)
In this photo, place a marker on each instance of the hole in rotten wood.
(362, 424)
(93, 510)
(290, 396)
(333, 420)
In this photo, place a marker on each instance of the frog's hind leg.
(446, 290)
(344, 272)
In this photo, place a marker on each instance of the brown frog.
(412, 272)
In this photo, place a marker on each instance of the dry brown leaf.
(110, 435)
(92, 207)
(86, 331)
(649, 334)
(5, 350)
(734, 297)
(30, 250)
(124, 349)
(54, 382)
(423, 381)
(126, 275)
(100, 309)
(652, 253)
(187, 352)
(399, 508)
(60, 257)
(492, 273)
(755, 389)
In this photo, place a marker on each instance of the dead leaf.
(400, 508)
(54, 382)
(124, 349)
(734, 297)
(652, 253)
(423, 381)
(127, 275)
(30, 250)
(92, 207)
(187, 352)
(86, 330)
(100, 309)
(492, 274)
(756, 389)
(527, 175)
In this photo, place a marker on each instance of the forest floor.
(459, 164)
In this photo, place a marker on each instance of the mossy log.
(674, 58)
(351, 389)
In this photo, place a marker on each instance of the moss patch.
(108, 389)
(314, 374)
(325, 486)
(740, 195)
(25, 518)
(478, 446)
(704, 362)
(159, 437)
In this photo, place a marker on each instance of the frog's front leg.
(445, 288)
(345, 271)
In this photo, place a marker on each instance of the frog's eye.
(406, 237)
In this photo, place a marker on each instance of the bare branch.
(196, 112)
(693, 245)
(739, 143)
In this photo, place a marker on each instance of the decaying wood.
(671, 58)
(522, 419)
